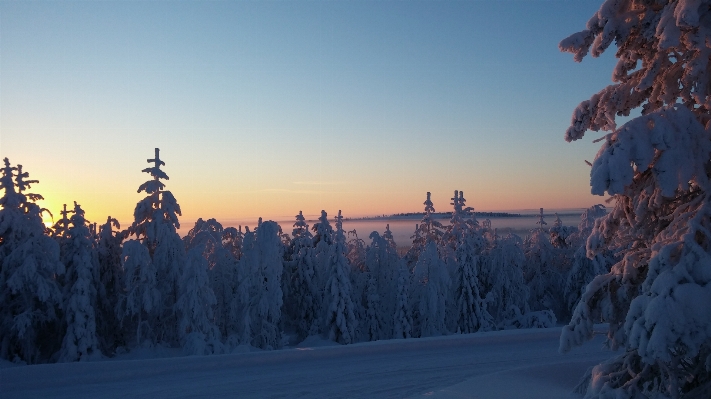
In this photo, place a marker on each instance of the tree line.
(78, 291)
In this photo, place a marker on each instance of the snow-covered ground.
(503, 364)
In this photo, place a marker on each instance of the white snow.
(500, 364)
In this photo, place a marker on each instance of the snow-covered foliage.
(209, 237)
(195, 306)
(657, 168)
(323, 239)
(155, 225)
(140, 306)
(80, 298)
(543, 273)
(304, 302)
(339, 322)
(430, 293)
(428, 230)
(218, 290)
(382, 264)
(232, 241)
(357, 254)
(584, 269)
(243, 302)
(259, 298)
(402, 324)
(30, 297)
(60, 229)
(463, 243)
(504, 288)
(559, 234)
(111, 285)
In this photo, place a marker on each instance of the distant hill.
(439, 215)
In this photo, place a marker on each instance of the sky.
(265, 108)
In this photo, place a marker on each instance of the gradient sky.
(266, 108)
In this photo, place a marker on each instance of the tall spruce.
(111, 285)
(79, 256)
(656, 167)
(155, 227)
(339, 322)
(30, 298)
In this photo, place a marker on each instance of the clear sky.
(265, 108)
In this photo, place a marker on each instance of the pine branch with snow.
(657, 168)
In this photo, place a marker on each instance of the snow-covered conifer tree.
(110, 287)
(339, 321)
(544, 280)
(141, 306)
(559, 233)
(656, 167)
(584, 269)
(266, 324)
(323, 240)
(430, 293)
(29, 295)
(196, 301)
(259, 295)
(208, 235)
(462, 243)
(155, 226)
(60, 230)
(504, 289)
(232, 241)
(305, 296)
(427, 230)
(244, 301)
(359, 279)
(402, 323)
(356, 251)
(80, 298)
(382, 264)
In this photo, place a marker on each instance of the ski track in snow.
(503, 364)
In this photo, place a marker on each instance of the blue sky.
(266, 108)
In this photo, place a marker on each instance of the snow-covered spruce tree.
(584, 269)
(243, 302)
(382, 265)
(373, 324)
(140, 306)
(402, 323)
(463, 243)
(195, 307)
(232, 241)
(339, 322)
(305, 296)
(29, 295)
(80, 297)
(323, 240)
(430, 293)
(155, 226)
(427, 230)
(657, 168)
(208, 236)
(559, 233)
(259, 295)
(110, 287)
(359, 278)
(356, 250)
(60, 229)
(503, 287)
(541, 272)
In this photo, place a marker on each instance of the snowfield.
(501, 364)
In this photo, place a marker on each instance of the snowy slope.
(503, 364)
